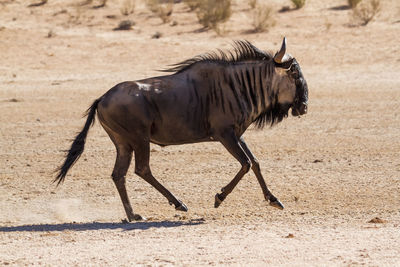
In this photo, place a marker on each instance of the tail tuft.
(78, 144)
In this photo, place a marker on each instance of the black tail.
(78, 145)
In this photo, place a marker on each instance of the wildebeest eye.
(294, 71)
(293, 74)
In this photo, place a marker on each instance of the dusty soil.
(337, 169)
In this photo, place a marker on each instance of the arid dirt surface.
(335, 169)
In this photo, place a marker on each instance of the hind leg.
(122, 162)
(142, 168)
(124, 156)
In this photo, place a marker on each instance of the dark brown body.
(207, 99)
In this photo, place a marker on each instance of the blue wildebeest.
(211, 97)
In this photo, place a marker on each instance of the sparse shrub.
(252, 4)
(124, 25)
(262, 18)
(366, 11)
(165, 12)
(153, 5)
(284, 9)
(192, 4)
(353, 3)
(211, 13)
(127, 7)
(161, 9)
(298, 3)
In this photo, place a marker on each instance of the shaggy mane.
(242, 51)
(273, 115)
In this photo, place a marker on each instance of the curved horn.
(278, 57)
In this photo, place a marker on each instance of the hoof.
(218, 200)
(136, 217)
(181, 207)
(276, 204)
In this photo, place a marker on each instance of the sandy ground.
(335, 169)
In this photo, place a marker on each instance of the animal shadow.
(93, 226)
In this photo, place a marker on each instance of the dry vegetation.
(353, 3)
(163, 9)
(192, 4)
(298, 3)
(364, 12)
(127, 7)
(252, 4)
(263, 18)
(212, 13)
(124, 25)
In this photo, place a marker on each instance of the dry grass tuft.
(298, 3)
(127, 7)
(377, 220)
(212, 13)
(252, 4)
(366, 11)
(161, 9)
(263, 18)
(124, 25)
(192, 4)
(353, 3)
(153, 5)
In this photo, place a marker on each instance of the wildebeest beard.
(274, 114)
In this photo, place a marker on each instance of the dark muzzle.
(300, 103)
(299, 109)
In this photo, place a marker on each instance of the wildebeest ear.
(279, 56)
(285, 65)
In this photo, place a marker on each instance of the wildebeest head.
(289, 83)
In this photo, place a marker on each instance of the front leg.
(231, 143)
(273, 201)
